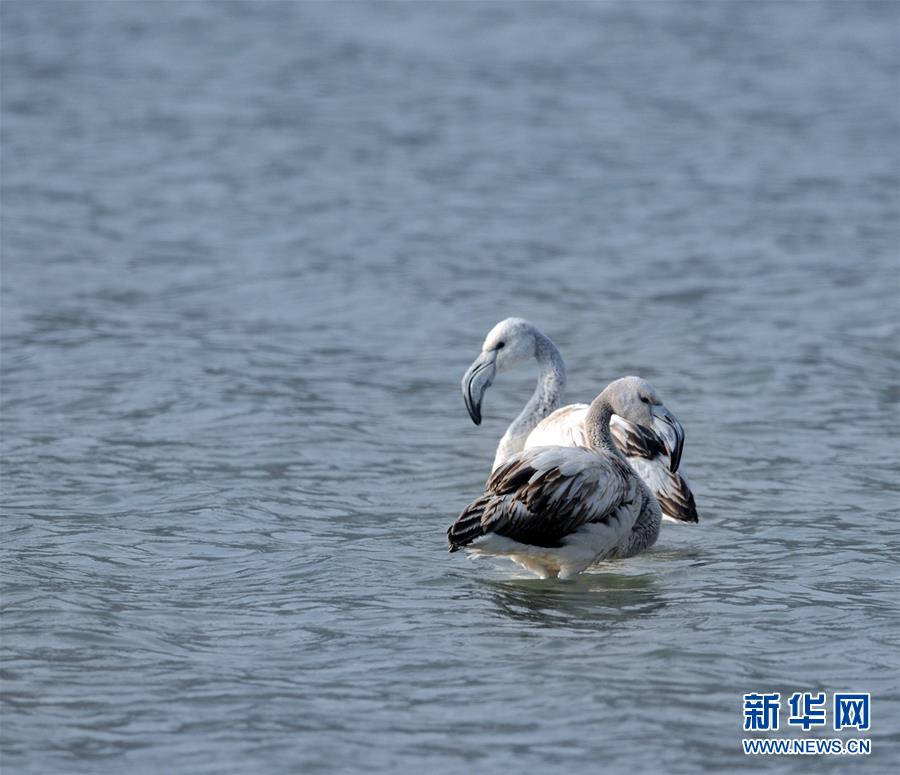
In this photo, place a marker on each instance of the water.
(248, 252)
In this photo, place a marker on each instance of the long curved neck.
(596, 426)
(551, 383)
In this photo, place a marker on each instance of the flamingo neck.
(551, 383)
(596, 426)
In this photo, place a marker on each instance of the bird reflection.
(591, 601)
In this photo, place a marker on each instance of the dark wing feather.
(677, 500)
(468, 525)
(542, 495)
(637, 441)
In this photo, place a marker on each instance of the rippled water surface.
(248, 251)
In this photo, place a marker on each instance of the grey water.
(248, 251)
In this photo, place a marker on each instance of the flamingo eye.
(500, 345)
(645, 400)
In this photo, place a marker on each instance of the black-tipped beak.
(476, 381)
(672, 433)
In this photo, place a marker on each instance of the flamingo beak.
(672, 433)
(476, 381)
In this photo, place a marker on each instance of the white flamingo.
(555, 510)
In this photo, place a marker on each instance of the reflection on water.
(248, 251)
(593, 601)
